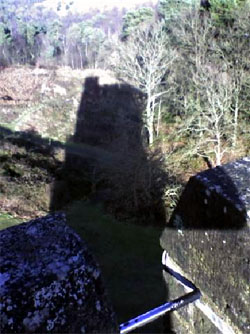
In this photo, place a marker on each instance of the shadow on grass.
(119, 171)
(130, 259)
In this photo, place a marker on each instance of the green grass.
(7, 220)
(130, 259)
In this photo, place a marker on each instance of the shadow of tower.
(107, 158)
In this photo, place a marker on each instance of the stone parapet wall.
(208, 238)
(50, 282)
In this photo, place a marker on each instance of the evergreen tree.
(134, 18)
(170, 9)
(223, 11)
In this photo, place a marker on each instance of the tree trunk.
(150, 119)
(236, 115)
(158, 120)
(81, 60)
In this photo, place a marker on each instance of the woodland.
(189, 58)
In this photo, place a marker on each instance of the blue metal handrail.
(175, 304)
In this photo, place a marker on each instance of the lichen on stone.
(50, 282)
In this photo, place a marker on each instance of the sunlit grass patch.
(6, 220)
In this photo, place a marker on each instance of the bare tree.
(237, 59)
(214, 83)
(144, 60)
(211, 121)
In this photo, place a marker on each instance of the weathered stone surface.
(49, 281)
(217, 198)
(188, 319)
(208, 237)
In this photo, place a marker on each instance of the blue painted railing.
(175, 304)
